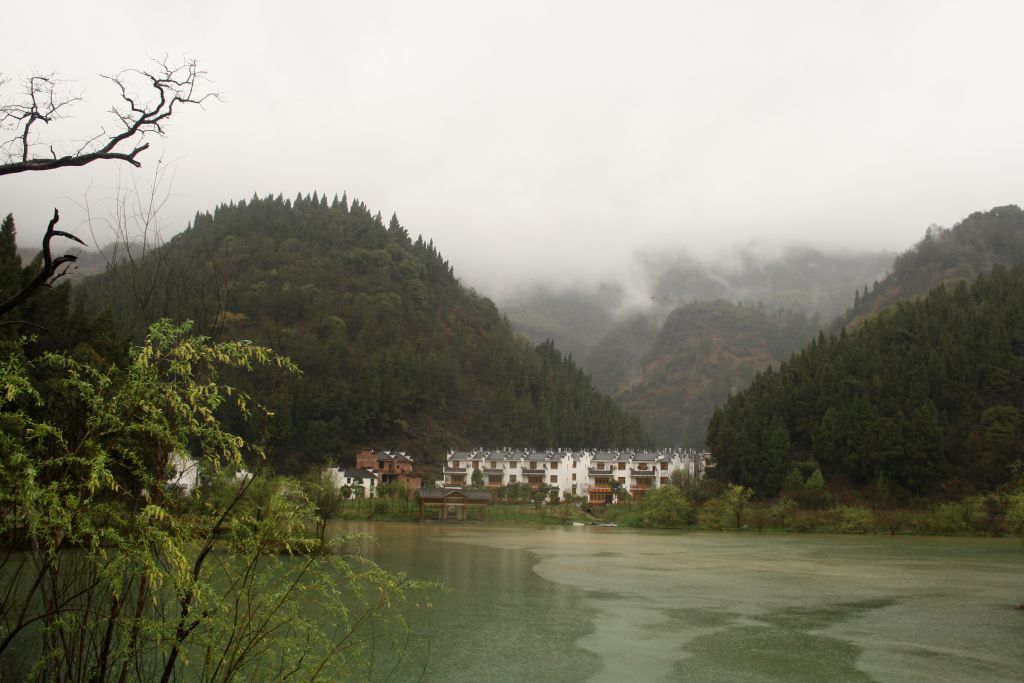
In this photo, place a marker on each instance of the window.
(664, 465)
(553, 465)
(642, 466)
(554, 478)
(622, 480)
(574, 489)
(511, 478)
(512, 465)
(574, 464)
(600, 465)
(622, 465)
(574, 476)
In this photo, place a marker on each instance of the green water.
(593, 604)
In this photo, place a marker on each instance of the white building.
(596, 474)
(362, 482)
(183, 472)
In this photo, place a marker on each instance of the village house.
(389, 467)
(183, 473)
(361, 482)
(595, 474)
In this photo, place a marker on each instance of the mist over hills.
(706, 329)
(944, 256)
(702, 330)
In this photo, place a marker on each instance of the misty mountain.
(394, 350)
(799, 279)
(945, 256)
(702, 353)
(706, 329)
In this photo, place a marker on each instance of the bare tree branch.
(51, 269)
(45, 100)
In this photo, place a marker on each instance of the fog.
(559, 142)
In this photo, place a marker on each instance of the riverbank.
(846, 520)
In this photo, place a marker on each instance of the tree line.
(924, 399)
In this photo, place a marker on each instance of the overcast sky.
(553, 140)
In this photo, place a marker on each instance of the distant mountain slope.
(672, 362)
(701, 353)
(395, 351)
(926, 398)
(946, 256)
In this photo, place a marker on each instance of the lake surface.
(598, 604)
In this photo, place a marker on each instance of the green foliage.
(10, 262)
(715, 514)
(477, 479)
(1015, 514)
(854, 520)
(924, 396)
(108, 572)
(665, 508)
(394, 348)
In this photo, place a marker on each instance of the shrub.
(665, 508)
(855, 520)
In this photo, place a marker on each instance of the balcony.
(534, 470)
(642, 473)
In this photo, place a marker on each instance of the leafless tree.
(146, 101)
(159, 282)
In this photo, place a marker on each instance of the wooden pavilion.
(450, 504)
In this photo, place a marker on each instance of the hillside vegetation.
(945, 256)
(394, 350)
(926, 398)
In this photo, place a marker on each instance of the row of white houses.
(595, 474)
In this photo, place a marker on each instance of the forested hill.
(394, 350)
(926, 398)
(946, 255)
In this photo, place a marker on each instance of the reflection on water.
(586, 604)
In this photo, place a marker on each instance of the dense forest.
(924, 399)
(394, 350)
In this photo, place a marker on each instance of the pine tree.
(10, 262)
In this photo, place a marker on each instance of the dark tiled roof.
(358, 474)
(447, 493)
